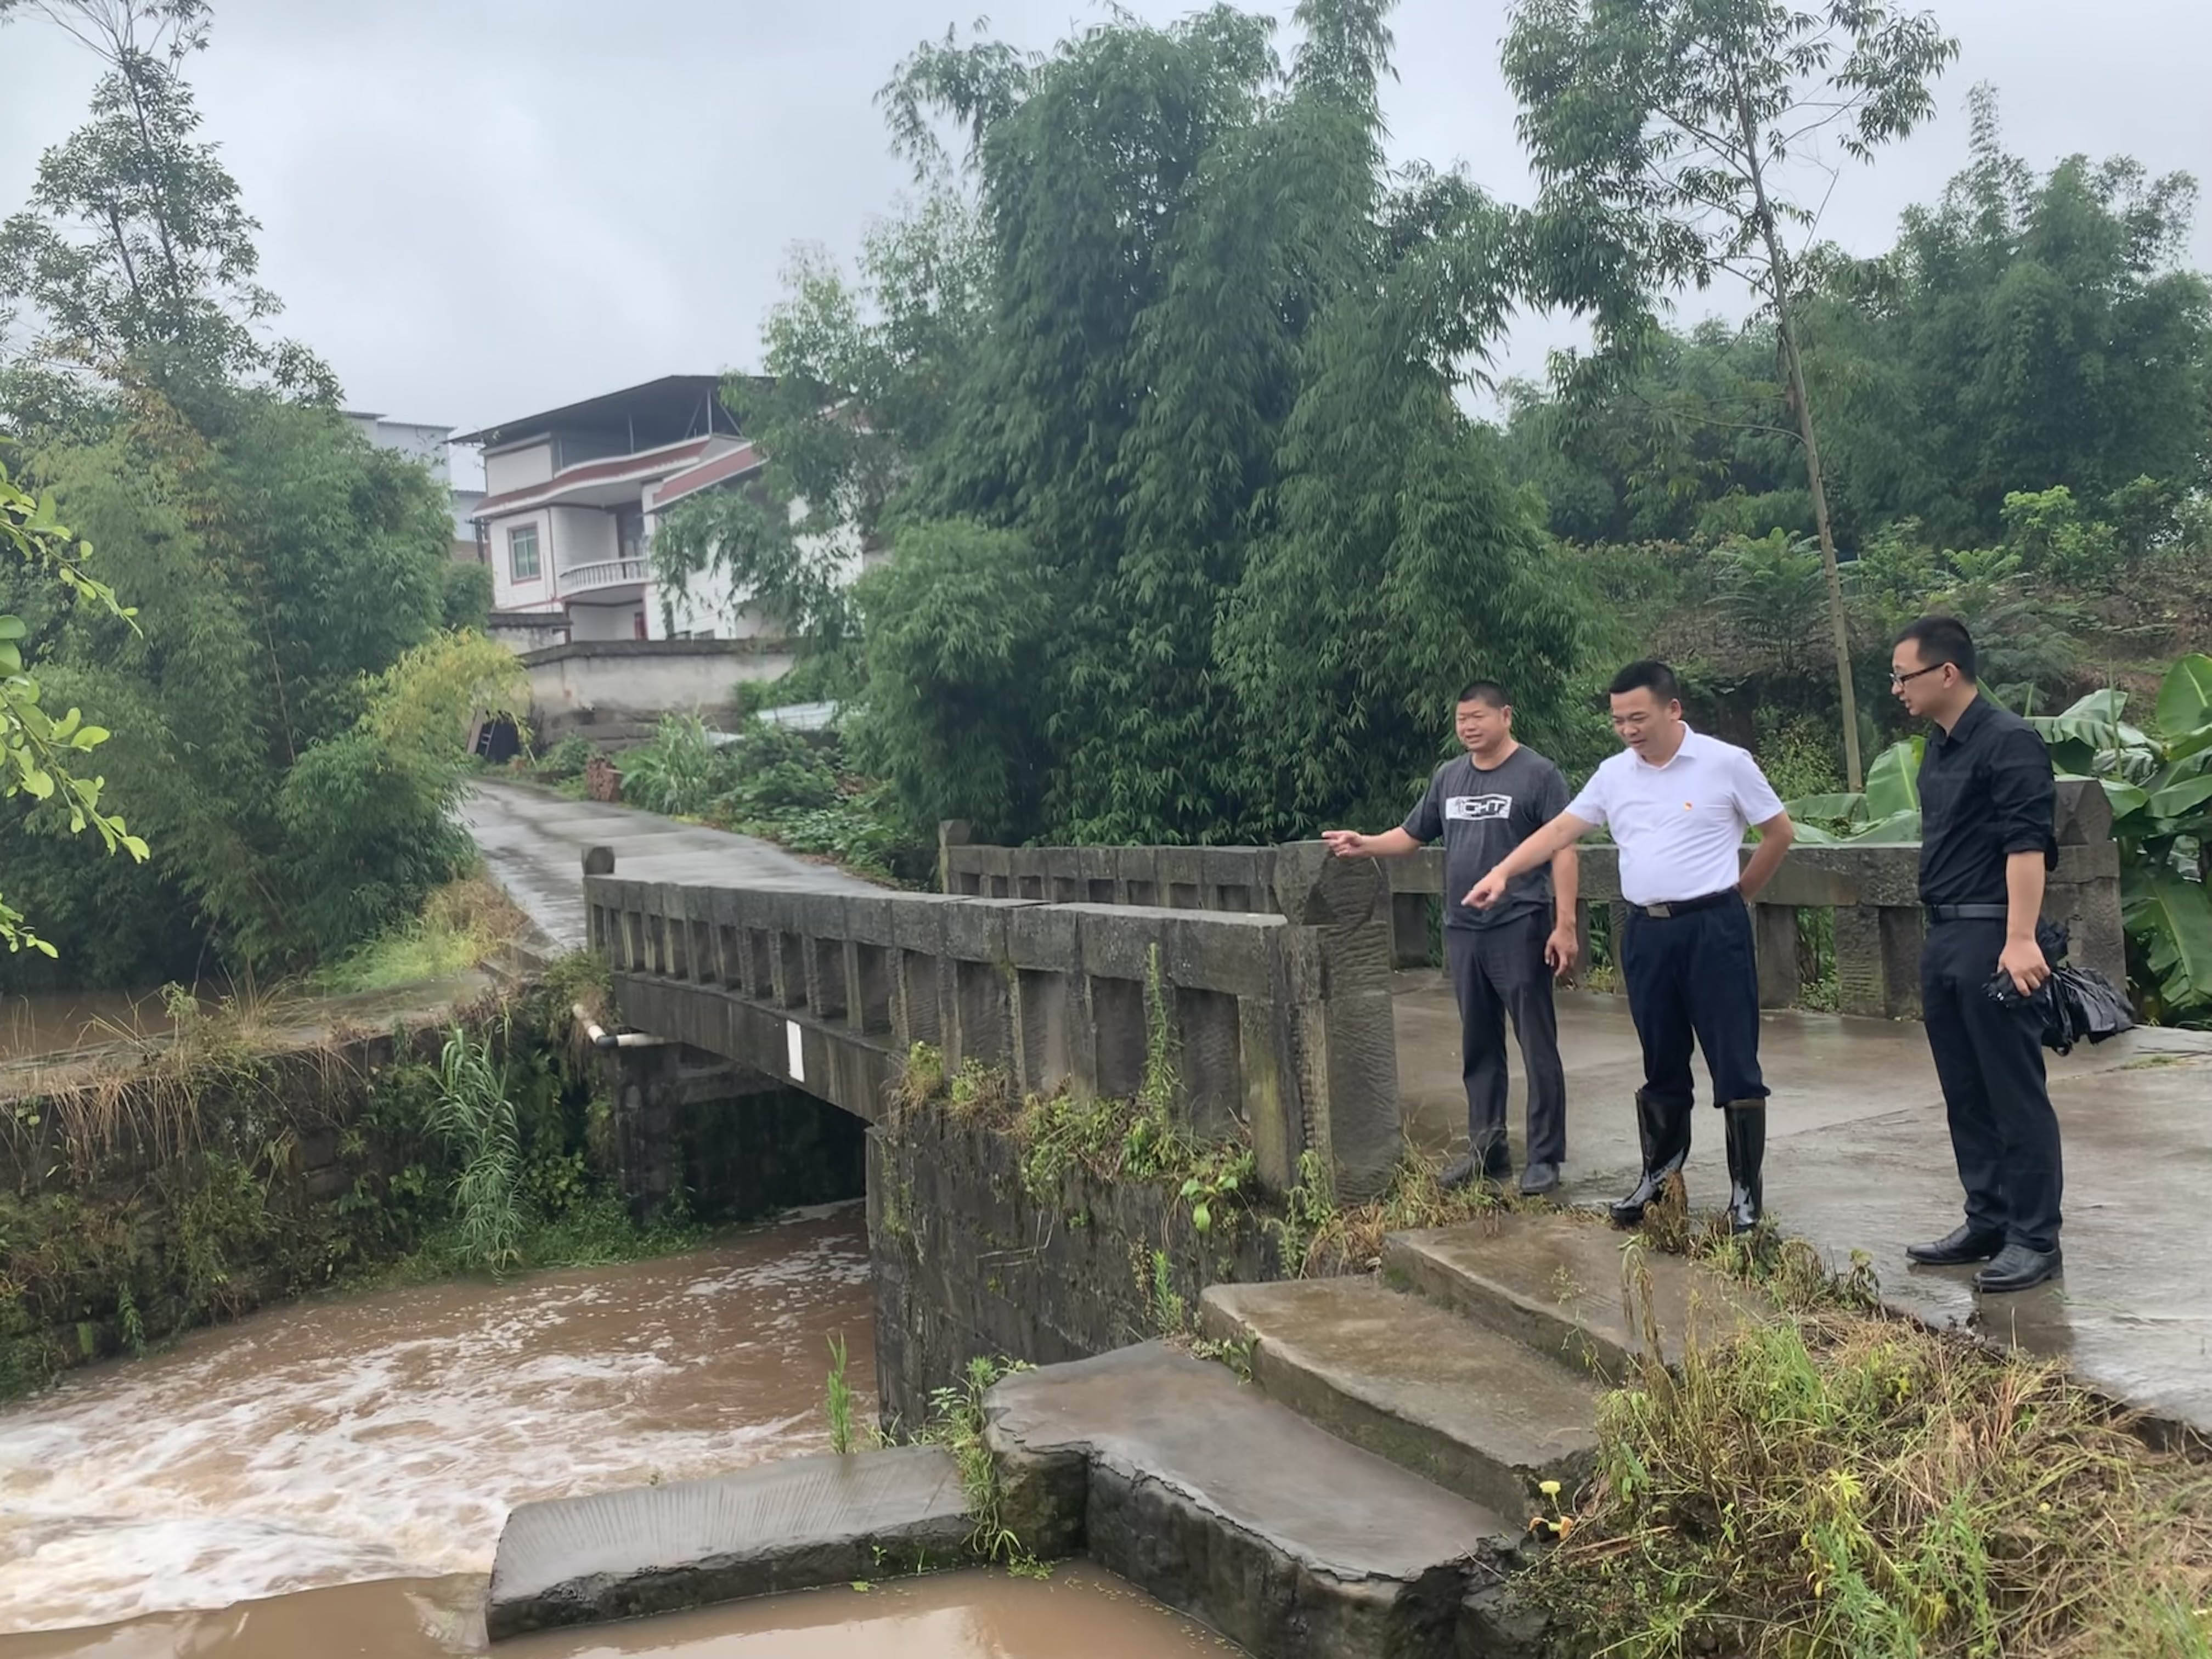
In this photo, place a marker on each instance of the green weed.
(839, 1401)
(460, 925)
(955, 1423)
(1318, 1236)
(1838, 1484)
(1170, 1314)
(473, 1115)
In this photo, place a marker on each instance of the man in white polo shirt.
(1678, 804)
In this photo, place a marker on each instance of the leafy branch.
(39, 754)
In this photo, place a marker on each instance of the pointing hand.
(1485, 892)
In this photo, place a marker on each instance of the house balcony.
(607, 579)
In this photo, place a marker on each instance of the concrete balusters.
(1873, 891)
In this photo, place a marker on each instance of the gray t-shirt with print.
(1482, 816)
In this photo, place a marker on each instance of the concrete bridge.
(1295, 990)
(1275, 971)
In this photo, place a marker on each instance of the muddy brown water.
(57, 1022)
(330, 1478)
(1079, 1612)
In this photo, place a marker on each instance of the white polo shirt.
(1680, 826)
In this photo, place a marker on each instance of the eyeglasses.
(1896, 678)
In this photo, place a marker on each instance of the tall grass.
(460, 925)
(957, 1423)
(472, 1116)
(1835, 1483)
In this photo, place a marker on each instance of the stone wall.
(134, 1205)
(220, 1176)
(621, 687)
(734, 1145)
(968, 1262)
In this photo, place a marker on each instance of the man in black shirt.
(1484, 803)
(1986, 841)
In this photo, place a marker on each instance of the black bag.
(2073, 1004)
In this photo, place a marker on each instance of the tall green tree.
(1231, 513)
(135, 254)
(1672, 129)
(293, 561)
(857, 373)
(2044, 333)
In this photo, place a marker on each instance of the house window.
(522, 553)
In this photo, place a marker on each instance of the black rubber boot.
(1664, 1130)
(1747, 1156)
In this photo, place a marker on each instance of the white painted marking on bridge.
(795, 1050)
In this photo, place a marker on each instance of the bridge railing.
(1280, 1025)
(1874, 892)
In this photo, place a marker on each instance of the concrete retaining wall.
(615, 682)
(968, 1261)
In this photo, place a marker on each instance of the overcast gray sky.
(473, 211)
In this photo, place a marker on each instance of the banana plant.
(1887, 813)
(2158, 781)
(2160, 784)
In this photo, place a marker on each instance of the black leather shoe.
(1746, 1158)
(1461, 1171)
(1538, 1179)
(2018, 1268)
(1962, 1244)
(1664, 1130)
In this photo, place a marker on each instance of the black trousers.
(1495, 971)
(1693, 977)
(1990, 1062)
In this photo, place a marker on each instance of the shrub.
(566, 759)
(680, 772)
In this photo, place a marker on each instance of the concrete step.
(1557, 1283)
(1457, 1403)
(1205, 1493)
(797, 1524)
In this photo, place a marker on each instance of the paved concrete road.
(1859, 1158)
(534, 841)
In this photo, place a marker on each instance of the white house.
(571, 499)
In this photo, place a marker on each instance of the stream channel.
(330, 1478)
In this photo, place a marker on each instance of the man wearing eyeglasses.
(1987, 838)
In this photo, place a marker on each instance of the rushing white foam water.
(388, 1437)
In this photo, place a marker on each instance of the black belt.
(1686, 906)
(1969, 912)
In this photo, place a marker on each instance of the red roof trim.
(705, 473)
(673, 459)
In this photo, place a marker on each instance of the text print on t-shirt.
(1474, 809)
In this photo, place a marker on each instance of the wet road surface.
(1859, 1158)
(534, 843)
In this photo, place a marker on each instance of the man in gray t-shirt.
(1484, 804)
